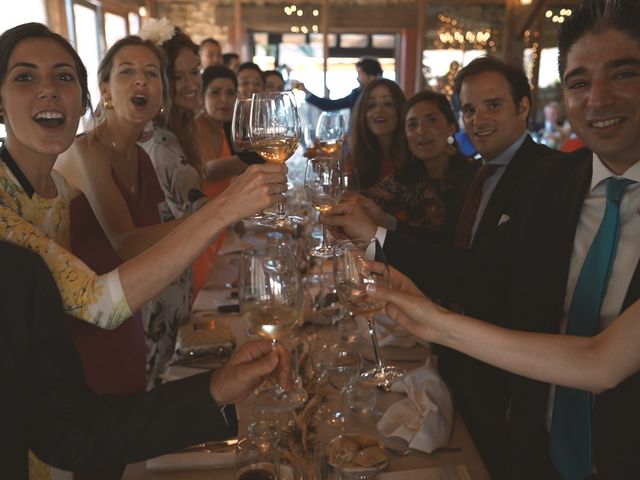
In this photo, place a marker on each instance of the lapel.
(500, 201)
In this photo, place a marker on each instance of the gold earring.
(108, 104)
(162, 110)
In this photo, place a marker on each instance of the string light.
(452, 34)
(558, 17)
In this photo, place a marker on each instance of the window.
(115, 28)
(87, 46)
(134, 23)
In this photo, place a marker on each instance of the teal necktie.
(571, 421)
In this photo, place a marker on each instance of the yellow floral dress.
(42, 226)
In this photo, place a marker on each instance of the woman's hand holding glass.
(354, 276)
(275, 136)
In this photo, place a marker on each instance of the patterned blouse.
(423, 203)
(42, 226)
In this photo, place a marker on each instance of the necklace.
(124, 165)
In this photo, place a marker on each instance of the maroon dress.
(113, 360)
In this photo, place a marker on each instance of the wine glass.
(330, 132)
(343, 366)
(241, 139)
(323, 186)
(275, 136)
(353, 274)
(271, 298)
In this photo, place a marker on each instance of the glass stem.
(280, 211)
(324, 237)
(374, 339)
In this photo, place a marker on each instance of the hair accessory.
(450, 140)
(157, 30)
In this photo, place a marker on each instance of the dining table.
(458, 460)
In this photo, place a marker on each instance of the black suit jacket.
(517, 278)
(46, 406)
(480, 391)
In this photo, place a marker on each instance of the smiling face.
(427, 131)
(602, 96)
(249, 82)
(41, 98)
(219, 99)
(188, 80)
(491, 118)
(134, 87)
(382, 115)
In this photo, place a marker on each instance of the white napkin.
(210, 300)
(425, 418)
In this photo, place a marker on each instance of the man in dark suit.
(368, 69)
(495, 100)
(46, 406)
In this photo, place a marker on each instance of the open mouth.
(49, 119)
(425, 142)
(139, 100)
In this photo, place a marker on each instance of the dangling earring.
(451, 148)
(108, 104)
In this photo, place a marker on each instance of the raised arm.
(85, 169)
(589, 363)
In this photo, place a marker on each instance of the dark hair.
(106, 65)
(12, 37)
(513, 74)
(249, 66)
(594, 16)
(210, 40)
(180, 121)
(266, 73)
(370, 66)
(364, 151)
(217, 71)
(227, 57)
(413, 169)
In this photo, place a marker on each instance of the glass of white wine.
(330, 132)
(353, 274)
(241, 138)
(271, 299)
(323, 186)
(275, 136)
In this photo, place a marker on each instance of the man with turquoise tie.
(565, 260)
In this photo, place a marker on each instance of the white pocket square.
(503, 219)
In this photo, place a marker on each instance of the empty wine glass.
(323, 186)
(330, 132)
(241, 138)
(271, 297)
(344, 365)
(275, 136)
(353, 274)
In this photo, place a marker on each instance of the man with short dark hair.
(231, 60)
(495, 102)
(368, 69)
(210, 53)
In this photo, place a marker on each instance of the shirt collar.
(601, 172)
(505, 157)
